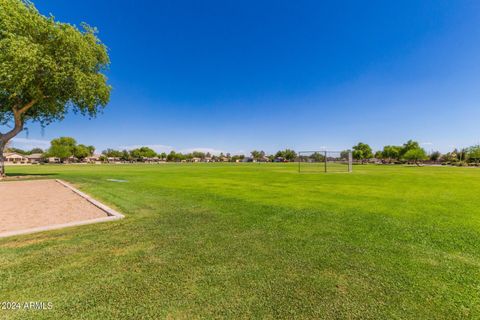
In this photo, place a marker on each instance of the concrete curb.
(108, 210)
(112, 215)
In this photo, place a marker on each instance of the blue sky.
(237, 75)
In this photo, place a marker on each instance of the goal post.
(325, 161)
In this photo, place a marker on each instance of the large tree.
(415, 155)
(82, 151)
(287, 154)
(407, 146)
(47, 68)
(474, 153)
(143, 152)
(257, 155)
(391, 153)
(62, 148)
(362, 151)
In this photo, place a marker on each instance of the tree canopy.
(66, 147)
(82, 151)
(257, 155)
(415, 155)
(287, 154)
(47, 68)
(112, 153)
(391, 152)
(362, 151)
(474, 153)
(62, 148)
(409, 145)
(143, 152)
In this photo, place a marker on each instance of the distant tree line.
(24, 152)
(412, 152)
(62, 148)
(142, 153)
(67, 149)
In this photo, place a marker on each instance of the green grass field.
(256, 241)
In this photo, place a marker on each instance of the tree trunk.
(4, 139)
(18, 116)
(2, 160)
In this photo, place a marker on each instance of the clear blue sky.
(238, 75)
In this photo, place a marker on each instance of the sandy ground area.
(38, 203)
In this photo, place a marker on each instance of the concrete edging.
(111, 216)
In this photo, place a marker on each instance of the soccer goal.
(325, 161)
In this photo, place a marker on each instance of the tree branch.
(26, 107)
(17, 115)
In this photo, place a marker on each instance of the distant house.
(14, 158)
(35, 158)
(113, 160)
(71, 159)
(208, 159)
(93, 159)
(224, 159)
(54, 160)
(151, 160)
(195, 159)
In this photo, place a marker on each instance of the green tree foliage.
(143, 152)
(362, 151)
(238, 157)
(435, 156)
(36, 150)
(415, 155)
(344, 154)
(391, 153)
(198, 154)
(66, 147)
(82, 151)
(287, 154)
(257, 155)
(317, 157)
(46, 69)
(463, 154)
(24, 152)
(409, 145)
(112, 153)
(474, 153)
(62, 148)
(91, 150)
(65, 141)
(175, 157)
(59, 151)
(125, 156)
(17, 150)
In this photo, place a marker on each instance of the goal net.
(325, 161)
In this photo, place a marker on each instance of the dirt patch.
(39, 203)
